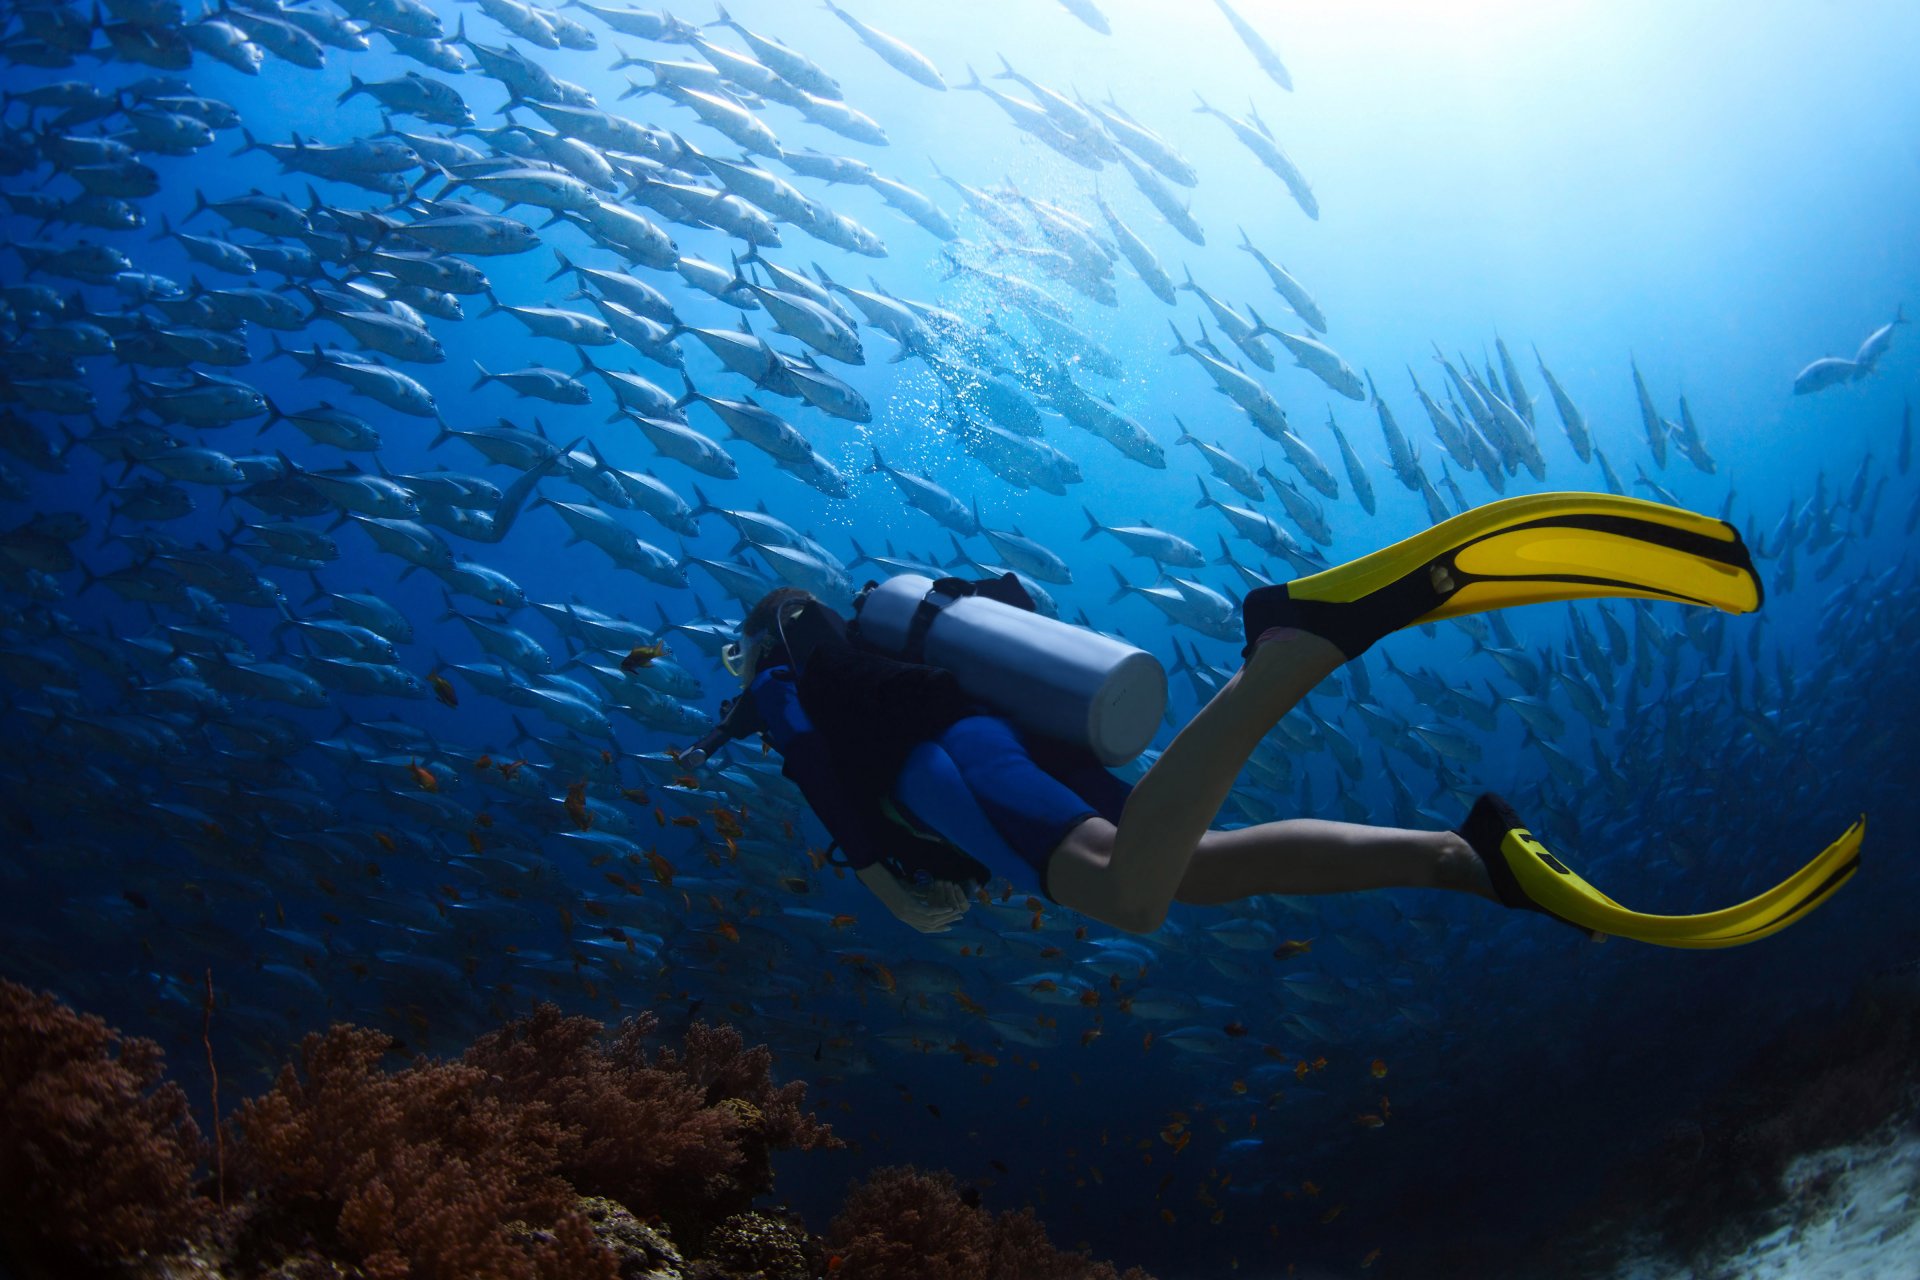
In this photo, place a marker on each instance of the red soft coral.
(98, 1155)
(903, 1224)
(665, 1134)
(414, 1173)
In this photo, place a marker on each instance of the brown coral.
(99, 1154)
(903, 1224)
(684, 1135)
(415, 1173)
(759, 1246)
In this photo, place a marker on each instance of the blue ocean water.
(1717, 195)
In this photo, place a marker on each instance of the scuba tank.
(1044, 675)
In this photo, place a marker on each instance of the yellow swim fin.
(1530, 549)
(1525, 874)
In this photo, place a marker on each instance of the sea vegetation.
(553, 1148)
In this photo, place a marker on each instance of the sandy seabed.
(1852, 1213)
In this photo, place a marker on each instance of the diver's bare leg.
(1310, 855)
(1127, 876)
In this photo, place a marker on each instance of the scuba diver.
(948, 730)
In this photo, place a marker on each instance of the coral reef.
(99, 1155)
(414, 1173)
(686, 1134)
(759, 1246)
(550, 1150)
(906, 1224)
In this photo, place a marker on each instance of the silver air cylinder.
(1044, 675)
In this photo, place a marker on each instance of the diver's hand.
(931, 908)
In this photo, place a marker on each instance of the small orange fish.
(483, 819)
(576, 806)
(510, 768)
(843, 921)
(1090, 998)
(1166, 1216)
(1300, 1070)
(1332, 1213)
(484, 762)
(1146, 1042)
(642, 655)
(1369, 1260)
(422, 776)
(635, 794)
(1311, 1188)
(1369, 1121)
(1379, 1068)
(1239, 1086)
(1235, 1028)
(1088, 1036)
(726, 824)
(662, 869)
(1043, 986)
(1292, 947)
(1320, 1064)
(728, 932)
(685, 820)
(1049, 953)
(443, 689)
(473, 842)
(386, 842)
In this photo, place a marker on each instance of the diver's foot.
(1269, 612)
(1485, 829)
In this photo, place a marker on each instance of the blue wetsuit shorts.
(1006, 797)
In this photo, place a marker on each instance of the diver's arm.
(930, 908)
(739, 718)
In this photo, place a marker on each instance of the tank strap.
(936, 599)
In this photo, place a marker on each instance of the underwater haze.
(336, 556)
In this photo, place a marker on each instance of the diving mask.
(738, 658)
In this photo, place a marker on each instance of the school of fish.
(278, 708)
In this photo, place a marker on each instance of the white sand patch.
(1852, 1213)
